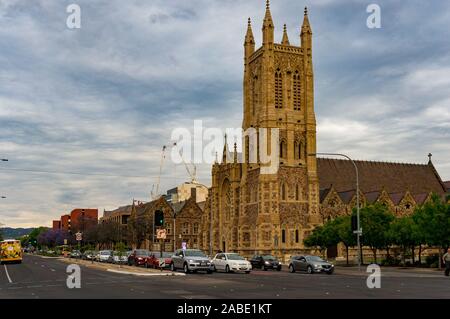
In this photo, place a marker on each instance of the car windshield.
(194, 253)
(142, 252)
(105, 253)
(314, 258)
(269, 257)
(235, 257)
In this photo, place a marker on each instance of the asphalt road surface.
(39, 277)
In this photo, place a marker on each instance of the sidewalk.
(121, 269)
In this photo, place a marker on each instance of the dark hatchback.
(265, 262)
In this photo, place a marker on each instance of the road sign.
(161, 234)
(79, 236)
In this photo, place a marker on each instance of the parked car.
(89, 255)
(190, 260)
(104, 255)
(154, 260)
(265, 262)
(231, 262)
(118, 258)
(138, 257)
(75, 254)
(310, 264)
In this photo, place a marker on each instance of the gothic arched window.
(301, 150)
(255, 95)
(297, 91)
(283, 149)
(283, 191)
(297, 192)
(278, 89)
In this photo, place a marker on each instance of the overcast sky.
(103, 99)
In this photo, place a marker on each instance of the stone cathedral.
(253, 211)
(249, 212)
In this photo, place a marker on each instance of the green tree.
(33, 236)
(322, 237)
(343, 228)
(375, 221)
(433, 221)
(404, 232)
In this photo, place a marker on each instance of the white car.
(231, 262)
(104, 255)
(118, 258)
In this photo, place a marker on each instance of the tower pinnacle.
(285, 40)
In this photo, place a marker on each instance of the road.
(39, 277)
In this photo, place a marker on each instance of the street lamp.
(3, 197)
(358, 232)
(4, 160)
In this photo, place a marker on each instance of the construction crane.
(191, 172)
(155, 194)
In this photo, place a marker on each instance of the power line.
(76, 173)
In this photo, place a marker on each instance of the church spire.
(225, 150)
(249, 43)
(306, 36)
(306, 27)
(285, 40)
(268, 26)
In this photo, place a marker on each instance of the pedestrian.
(446, 260)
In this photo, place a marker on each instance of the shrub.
(390, 261)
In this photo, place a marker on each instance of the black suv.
(265, 262)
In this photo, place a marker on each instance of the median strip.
(145, 273)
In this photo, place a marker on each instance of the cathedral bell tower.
(279, 94)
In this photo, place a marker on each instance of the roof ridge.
(372, 161)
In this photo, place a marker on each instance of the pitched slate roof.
(447, 185)
(374, 176)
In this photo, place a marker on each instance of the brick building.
(79, 219)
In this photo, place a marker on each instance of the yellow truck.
(10, 251)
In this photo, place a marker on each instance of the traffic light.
(159, 218)
(354, 222)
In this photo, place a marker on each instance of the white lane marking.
(52, 269)
(7, 275)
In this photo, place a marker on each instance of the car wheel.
(147, 265)
(247, 272)
(227, 269)
(291, 268)
(186, 268)
(310, 270)
(265, 268)
(214, 268)
(209, 271)
(330, 272)
(279, 268)
(172, 267)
